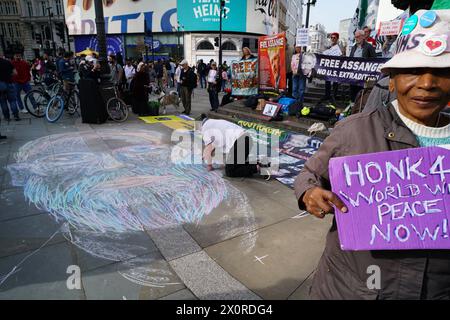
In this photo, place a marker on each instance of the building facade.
(183, 28)
(32, 27)
(318, 38)
(294, 19)
(44, 28)
(10, 27)
(344, 27)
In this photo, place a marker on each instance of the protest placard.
(390, 28)
(351, 70)
(302, 39)
(272, 62)
(244, 77)
(397, 200)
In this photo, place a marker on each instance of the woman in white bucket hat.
(420, 74)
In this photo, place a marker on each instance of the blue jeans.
(8, 96)
(214, 99)
(202, 80)
(298, 87)
(26, 87)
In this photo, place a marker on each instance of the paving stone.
(43, 275)
(95, 249)
(14, 205)
(173, 242)
(302, 292)
(145, 278)
(184, 294)
(282, 257)
(226, 222)
(28, 233)
(207, 280)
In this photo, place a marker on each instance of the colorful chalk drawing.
(108, 187)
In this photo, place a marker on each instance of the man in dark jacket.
(202, 72)
(188, 83)
(361, 49)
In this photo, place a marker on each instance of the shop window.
(205, 45)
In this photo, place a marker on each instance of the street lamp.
(50, 16)
(178, 30)
(308, 6)
(222, 9)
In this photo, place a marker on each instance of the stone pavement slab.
(14, 205)
(43, 275)
(97, 249)
(28, 233)
(226, 222)
(302, 292)
(208, 281)
(184, 294)
(173, 242)
(147, 277)
(284, 255)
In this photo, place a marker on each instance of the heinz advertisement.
(272, 62)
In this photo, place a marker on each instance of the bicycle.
(117, 109)
(36, 100)
(63, 100)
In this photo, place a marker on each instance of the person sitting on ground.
(422, 84)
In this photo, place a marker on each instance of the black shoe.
(17, 118)
(3, 137)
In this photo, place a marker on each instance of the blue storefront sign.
(195, 15)
(114, 44)
(155, 43)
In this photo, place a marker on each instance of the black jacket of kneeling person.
(188, 78)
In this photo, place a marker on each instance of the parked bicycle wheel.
(74, 102)
(55, 109)
(117, 109)
(36, 102)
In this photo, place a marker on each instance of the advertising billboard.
(200, 15)
(262, 16)
(121, 16)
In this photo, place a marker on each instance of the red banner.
(272, 62)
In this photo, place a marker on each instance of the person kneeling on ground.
(233, 141)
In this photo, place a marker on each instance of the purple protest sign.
(397, 200)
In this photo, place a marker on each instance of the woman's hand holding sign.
(319, 201)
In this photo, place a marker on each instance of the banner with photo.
(244, 77)
(351, 70)
(272, 62)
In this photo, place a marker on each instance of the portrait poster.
(272, 62)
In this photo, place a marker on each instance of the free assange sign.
(397, 200)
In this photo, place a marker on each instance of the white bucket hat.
(424, 42)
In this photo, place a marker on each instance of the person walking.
(7, 90)
(177, 79)
(361, 49)
(130, 71)
(188, 83)
(21, 80)
(213, 86)
(224, 79)
(173, 67)
(159, 69)
(298, 79)
(202, 73)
